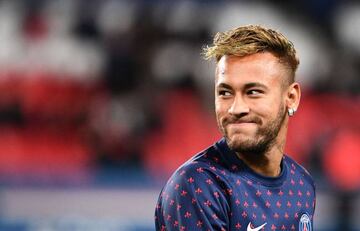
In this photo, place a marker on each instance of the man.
(244, 181)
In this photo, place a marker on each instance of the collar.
(238, 166)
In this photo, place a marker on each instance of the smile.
(241, 124)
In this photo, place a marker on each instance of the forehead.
(259, 67)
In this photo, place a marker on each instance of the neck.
(266, 164)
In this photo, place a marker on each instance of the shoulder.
(201, 172)
(299, 169)
(201, 169)
(195, 192)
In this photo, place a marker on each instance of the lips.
(240, 125)
(240, 121)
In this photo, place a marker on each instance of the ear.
(293, 96)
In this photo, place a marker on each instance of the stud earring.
(291, 111)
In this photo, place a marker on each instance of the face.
(251, 101)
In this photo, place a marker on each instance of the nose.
(239, 107)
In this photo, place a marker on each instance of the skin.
(252, 96)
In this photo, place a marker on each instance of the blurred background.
(100, 100)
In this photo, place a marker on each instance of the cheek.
(265, 107)
(220, 109)
(271, 111)
(264, 111)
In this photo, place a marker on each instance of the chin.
(241, 138)
(236, 143)
(247, 145)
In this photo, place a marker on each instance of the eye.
(254, 92)
(224, 93)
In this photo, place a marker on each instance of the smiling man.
(245, 181)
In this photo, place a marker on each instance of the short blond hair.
(251, 39)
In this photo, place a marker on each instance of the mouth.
(241, 120)
(241, 124)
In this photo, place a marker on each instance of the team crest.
(305, 223)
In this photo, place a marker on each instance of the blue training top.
(215, 190)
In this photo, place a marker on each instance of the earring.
(291, 111)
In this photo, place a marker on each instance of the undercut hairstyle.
(251, 39)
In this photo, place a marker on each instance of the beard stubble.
(264, 139)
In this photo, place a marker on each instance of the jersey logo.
(255, 229)
(305, 223)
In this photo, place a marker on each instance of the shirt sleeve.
(194, 198)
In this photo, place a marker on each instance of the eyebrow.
(247, 86)
(255, 84)
(224, 85)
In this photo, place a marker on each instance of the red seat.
(43, 154)
(46, 97)
(341, 159)
(187, 129)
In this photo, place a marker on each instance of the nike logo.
(255, 229)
